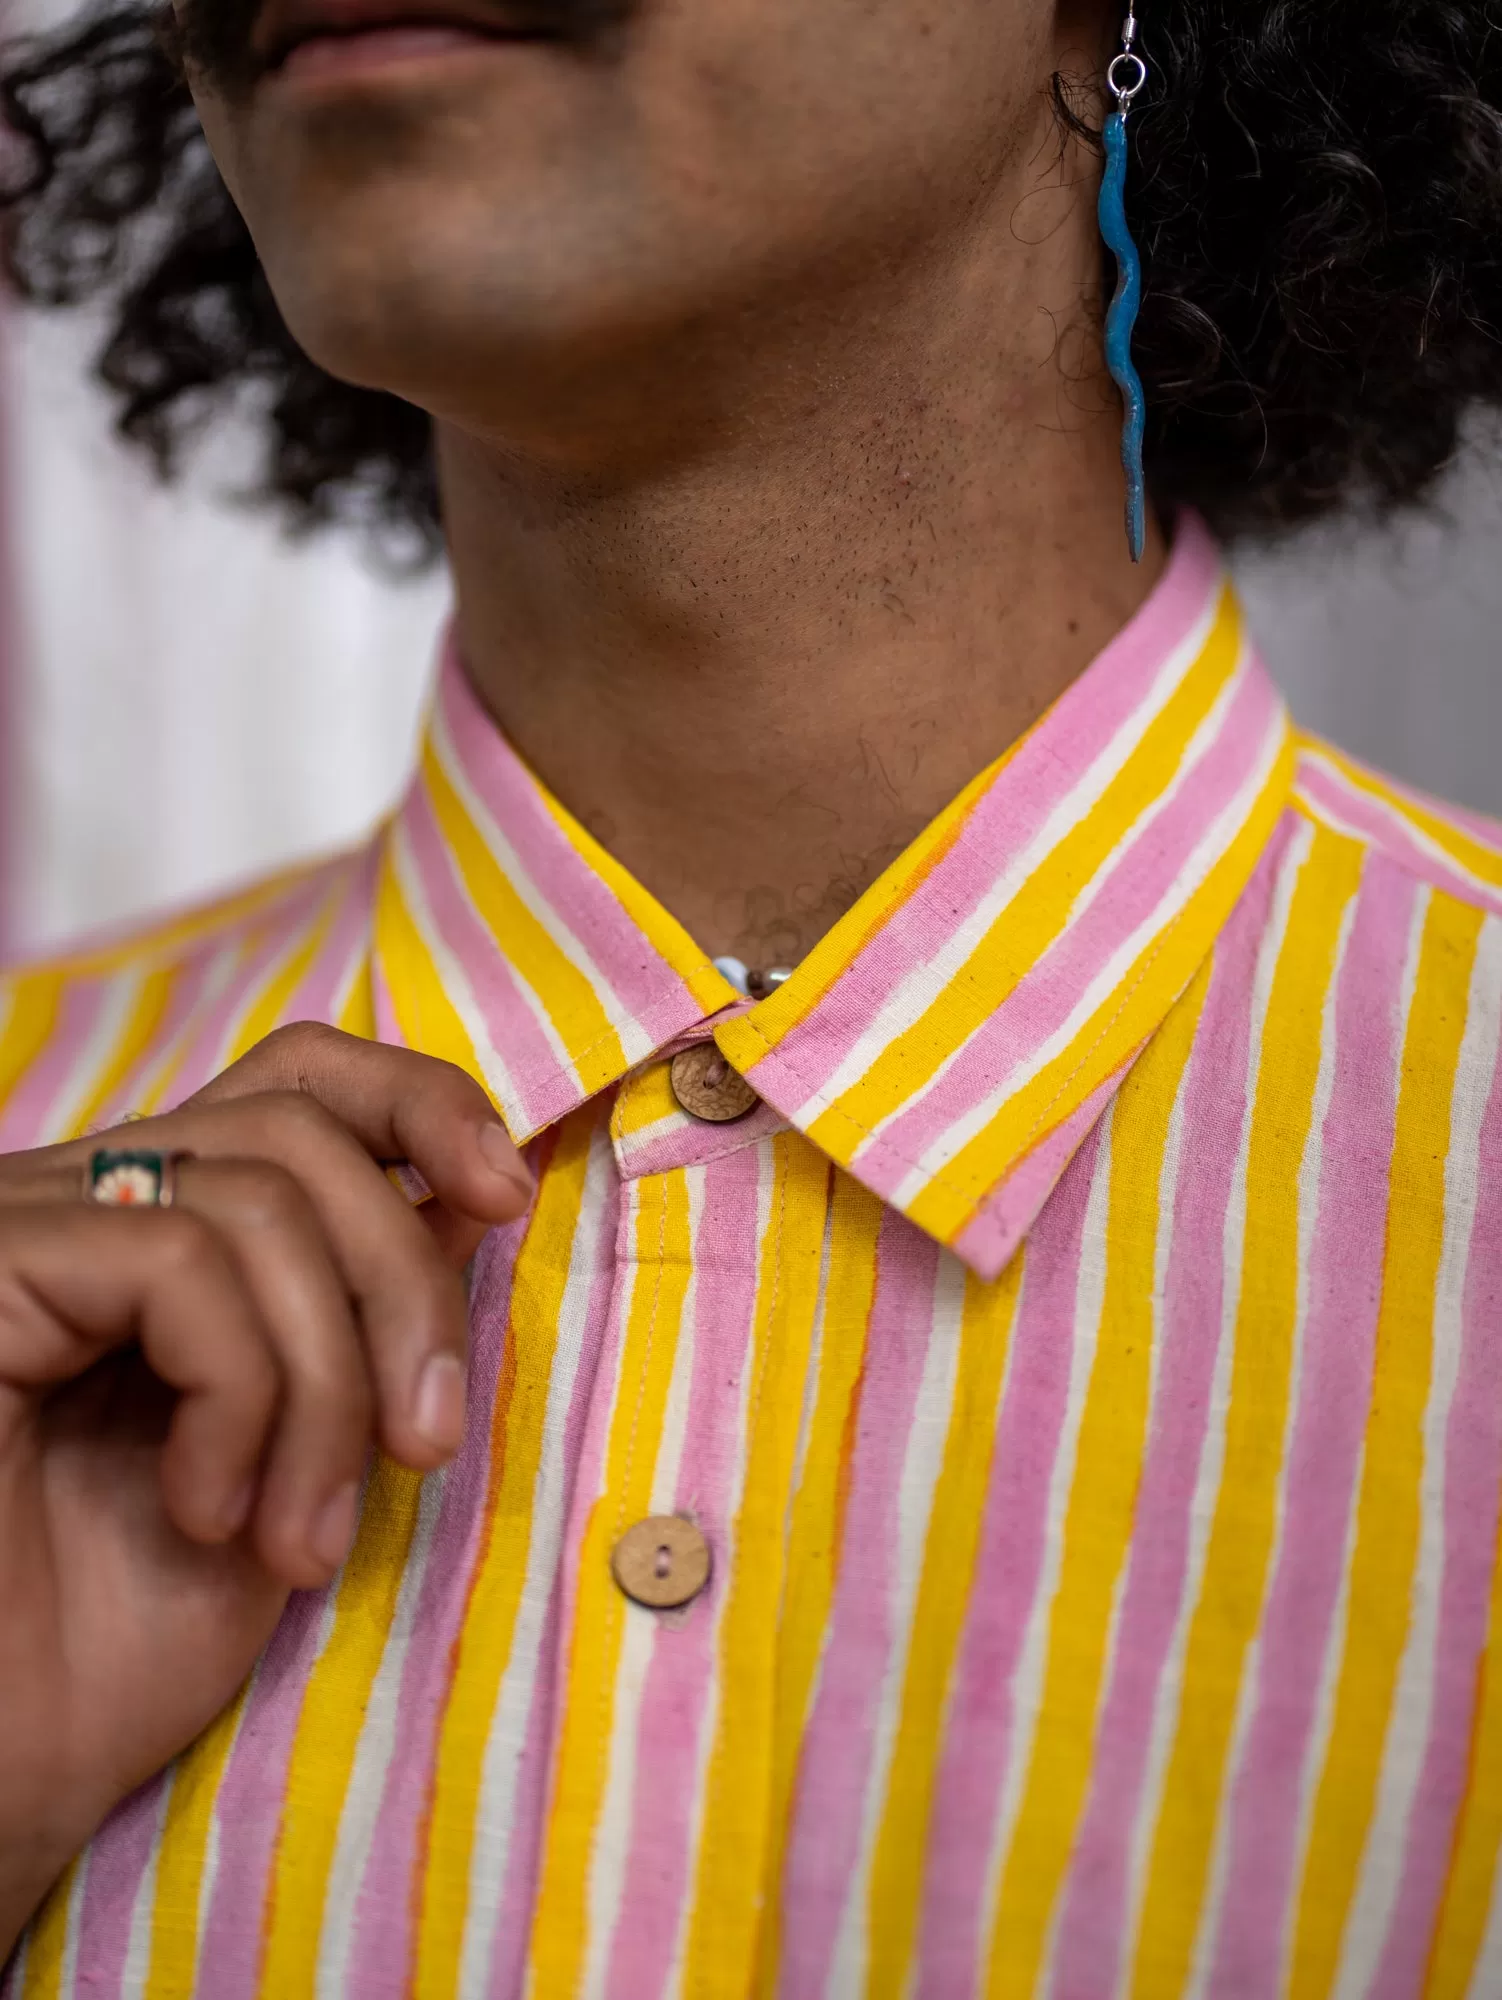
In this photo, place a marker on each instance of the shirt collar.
(954, 1038)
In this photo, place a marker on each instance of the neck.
(757, 669)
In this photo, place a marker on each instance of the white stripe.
(1209, 850)
(86, 1070)
(611, 1855)
(1411, 1714)
(322, 912)
(373, 1753)
(914, 994)
(634, 1038)
(758, 1360)
(495, 1809)
(811, 1380)
(1394, 816)
(922, 1463)
(158, 1076)
(1323, 1719)
(73, 1929)
(1213, 1446)
(1486, 1974)
(1168, 1192)
(1027, 1683)
(208, 1875)
(137, 1967)
(1251, 1691)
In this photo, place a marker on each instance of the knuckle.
(299, 1041)
(291, 1118)
(266, 1194)
(186, 1246)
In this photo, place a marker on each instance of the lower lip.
(332, 58)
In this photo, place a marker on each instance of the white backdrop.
(191, 702)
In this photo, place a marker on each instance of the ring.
(131, 1180)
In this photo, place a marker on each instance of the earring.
(1125, 76)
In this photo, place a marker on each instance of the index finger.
(400, 1105)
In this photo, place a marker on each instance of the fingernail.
(236, 1510)
(500, 1156)
(439, 1410)
(334, 1529)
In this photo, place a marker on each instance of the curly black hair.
(1316, 188)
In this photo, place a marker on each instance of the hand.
(188, 1396)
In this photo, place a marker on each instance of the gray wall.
(1390, 641)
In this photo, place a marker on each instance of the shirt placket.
(658, 1834)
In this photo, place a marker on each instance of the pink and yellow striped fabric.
(1085, 1365)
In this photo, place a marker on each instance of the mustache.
(217, 38)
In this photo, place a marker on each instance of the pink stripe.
(642, 980)
(1042, 771)
(546, 1085)
(321, 992)
(978, 1744)
(512, 1935)
(1329, 1424)
(992, 1239)
(190, 993)
(256, 948)
(1094, 1895)
(1011, 1037)
(118, 1861)
(685, 1653)
(1473, 1466)
(687, 1144)
(834, 1768)
(249, 1807)
(380, 1962)
(1382, 825)
(27, 1119)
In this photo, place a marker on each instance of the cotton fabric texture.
(1085, 1367)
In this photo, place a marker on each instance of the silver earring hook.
(1126, 72)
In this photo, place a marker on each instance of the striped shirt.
(1084, 1365)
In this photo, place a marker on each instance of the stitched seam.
(751, 1422)
(540, 1072)
(608, 1682)
(974, 1194)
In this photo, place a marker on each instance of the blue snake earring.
(1124, 78)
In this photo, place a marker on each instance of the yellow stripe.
(653, 1321)
(816, 1522)
(736, 1825)
(1471, 1883)
(1126, 1019)
(663, 932)
(1241, 1535)
(328, 1730)
(133, 1048)
(269, 1007)
(356, 1015)
(939, 1617)
(1101, 1511)
(533, 955)
(47, 1941)
(35, 1003)
(1042, 909)
(649, 1100)
(1477, 856)
(538, 1286)
(1388, 1506)
(180, 1859)
(425, 1015)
